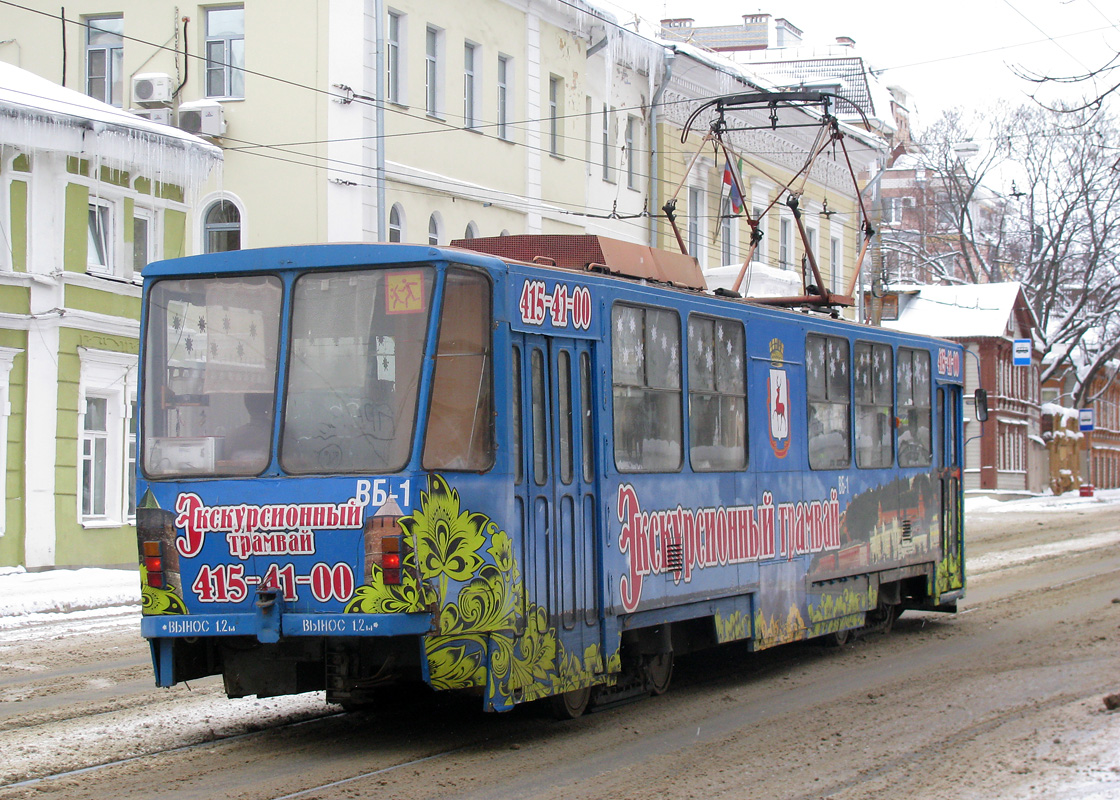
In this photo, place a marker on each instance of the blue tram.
(524, 473)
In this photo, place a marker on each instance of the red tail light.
(153, 563)
(383, 547)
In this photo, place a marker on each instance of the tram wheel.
(570, 705)
(882, 619)
(659, 672)
(839, 638)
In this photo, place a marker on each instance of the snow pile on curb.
(23, 592)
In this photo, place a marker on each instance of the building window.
(760, 251)
(393, 58)
(646, 384)
(695, 235)
(829, 393)
(469, 53)
(608, 149)
(717, 394)
(834, 265)
(221, 230)
(95, 446)
(143, 239)
(107, 437)
(99, 251)
(504, 77)
(632, 134)
(396, 224)
(471, 232)
(7, 360)
(555, 102)
(726, 225)
(225, 51)
(105, 59)
(431, 71)
(785, 243)
(433, 230)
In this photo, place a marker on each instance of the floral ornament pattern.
(483, 638)
(451, 538)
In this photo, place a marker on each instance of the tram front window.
(210, 375)
(357, 344)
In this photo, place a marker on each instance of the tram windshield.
(210, 375)
(211, 365)
(354, 370)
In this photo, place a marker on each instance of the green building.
(89, 194)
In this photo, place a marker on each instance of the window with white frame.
(396, 223)
(633, 134)
(555, 103)
(431, 70)
(608, 147)
(106, 438)
(100, 239)
(726, 225)
(834, 266)
(472, 231)
(144, 239)
(785, 243)
(393, 58)
(470, 55)
(105, 59)
(225, 51)
(221, 227)
(7, 358)
(760, 251)
(695, 222)
(505, 75)
(433, 230)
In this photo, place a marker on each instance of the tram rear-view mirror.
(981, 403)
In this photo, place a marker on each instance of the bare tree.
(1057, 232)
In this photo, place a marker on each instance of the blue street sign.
(1085, 418)
(1021, 354)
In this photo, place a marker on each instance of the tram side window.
(874, 373)
(717, 394)
(460, 418)
(915, 428)
(829, 402)
(645, 361)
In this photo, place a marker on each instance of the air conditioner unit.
(160, 115)
(202, 118)
(151, 88)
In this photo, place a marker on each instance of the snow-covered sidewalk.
(62, 590)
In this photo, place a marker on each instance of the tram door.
(557, 486)
(948, 412)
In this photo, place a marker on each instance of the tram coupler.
(268, 607)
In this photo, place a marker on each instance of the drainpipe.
(670, 55)
(379, 115)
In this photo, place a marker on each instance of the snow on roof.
(39, 115)
(760, 280)
(967, 311)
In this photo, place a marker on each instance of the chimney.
(845, 41)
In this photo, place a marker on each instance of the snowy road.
(1003, 700)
